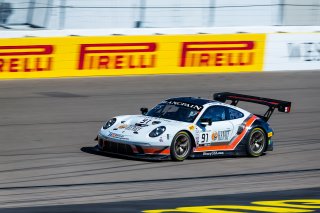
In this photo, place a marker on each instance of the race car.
(183, 127)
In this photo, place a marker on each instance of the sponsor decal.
(161, 139)
(130, 55)
(270, 134)
(192, 106)
(191, 127)
(214, 136)
(133, 128)
(217, 53)
(212, 153)
(306, 51)
(298, 205)
(26, 58)
(115, 135)
(122, 126)
(220, 135)
(223, 135)
(117, 56)
(197, 139)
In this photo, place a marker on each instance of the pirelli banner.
(130, 55)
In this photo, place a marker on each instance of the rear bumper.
(270, 145)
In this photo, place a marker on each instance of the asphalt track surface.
(45, 123)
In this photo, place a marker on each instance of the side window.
(215, 113)
(234, 114)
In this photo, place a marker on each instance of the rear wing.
(282, 106)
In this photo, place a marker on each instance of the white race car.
(183, 127)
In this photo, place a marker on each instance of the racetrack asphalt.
(45, 123)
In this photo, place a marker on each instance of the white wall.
(99, 16)
(298, 14)
(18, 15)
(88, 14)
(287, 51)
(256, 14)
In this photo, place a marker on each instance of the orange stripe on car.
(230, 146)
(156, 151)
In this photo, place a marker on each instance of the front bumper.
(129, 149)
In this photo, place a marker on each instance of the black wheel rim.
(182, 146)
(257, 142)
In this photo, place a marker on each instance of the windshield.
(174, 112)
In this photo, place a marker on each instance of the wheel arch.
(193, 141)
(264, 126)
(190, 150)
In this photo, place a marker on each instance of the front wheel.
(257, 142)
(180, 147)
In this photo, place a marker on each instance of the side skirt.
(212, 154)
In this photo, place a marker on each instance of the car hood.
(141, 125)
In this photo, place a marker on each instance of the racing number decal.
(145, 121)
(204, 138)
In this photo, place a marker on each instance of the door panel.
(221, 130)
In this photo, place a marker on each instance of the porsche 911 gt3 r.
(184, 127)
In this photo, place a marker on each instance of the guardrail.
(118, 55)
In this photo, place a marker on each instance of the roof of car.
(192, 100)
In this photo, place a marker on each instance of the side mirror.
(144, 111)
(205, 121)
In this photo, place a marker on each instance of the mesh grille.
(119, 148)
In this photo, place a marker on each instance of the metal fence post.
(142, 13)
(30, 11)
(211, 13)
(62, 14)
(48, 13)
(281, 12)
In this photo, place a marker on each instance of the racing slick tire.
(181, 146)
(257, 142)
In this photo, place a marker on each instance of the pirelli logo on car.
(26, 58)
(117, 56)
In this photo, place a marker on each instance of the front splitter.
(96, 150)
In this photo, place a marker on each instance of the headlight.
(157, 131)
(109, 123)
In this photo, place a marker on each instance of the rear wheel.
(181, 146)
(256, 143)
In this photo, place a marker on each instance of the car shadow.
(93, 150)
